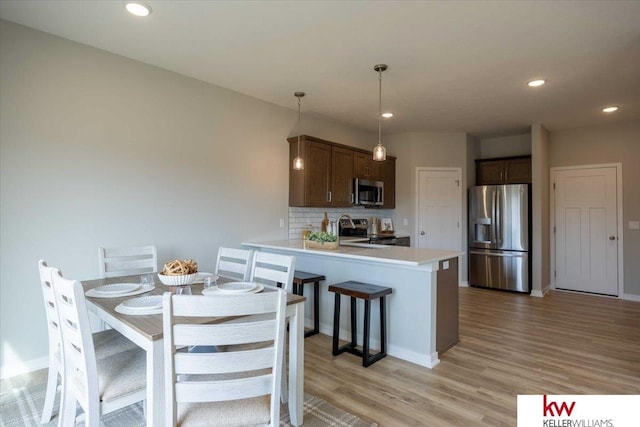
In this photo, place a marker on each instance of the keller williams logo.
(551, 409)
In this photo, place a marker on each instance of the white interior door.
(586, 230)
(439, 209)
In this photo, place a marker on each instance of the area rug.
(21, 400)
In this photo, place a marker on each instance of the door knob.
(422, 233)
(612, 237)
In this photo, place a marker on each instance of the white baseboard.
(463, 284)
(24, 367)
(399, 352)
(413, 357)
(627, 297)
(631, 297)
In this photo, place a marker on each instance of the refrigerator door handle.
(498, 218)
(494, 233)
(502, 254)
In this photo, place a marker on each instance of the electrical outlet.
(405, 221)
(281, 222)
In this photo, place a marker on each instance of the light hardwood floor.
(510, 344)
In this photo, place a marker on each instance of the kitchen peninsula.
(412, 273)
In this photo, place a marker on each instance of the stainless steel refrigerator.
(500, 236)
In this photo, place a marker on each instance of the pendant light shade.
(298, 162)
(379, 152)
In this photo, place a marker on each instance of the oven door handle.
(390, 242)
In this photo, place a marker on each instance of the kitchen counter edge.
(399, 255)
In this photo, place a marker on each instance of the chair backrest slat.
(115, 262)
(223, 334)
(225, 306)
(273, 269)
(234, 263)
(224, 362)
(224, 390)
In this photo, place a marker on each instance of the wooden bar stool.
(367, 292)
(299, 280)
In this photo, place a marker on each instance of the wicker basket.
(329, 246)
(179, 280)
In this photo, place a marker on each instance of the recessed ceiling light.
(536, 83)
(137, 8)
(387, 115)
(610, 109)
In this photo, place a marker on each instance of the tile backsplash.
(300, 217)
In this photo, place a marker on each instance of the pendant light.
(379, 152)
(298, 162)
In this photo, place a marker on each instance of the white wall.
(505, 146)
(99, 150)
(539, 209)
(473, 153)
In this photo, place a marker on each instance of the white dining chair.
(105, 343)
(228, 387)
(55, 357)
(98, 385)
(234, 263)
(124, 261)
(273, 270)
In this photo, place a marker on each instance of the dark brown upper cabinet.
(506, 170)
(365, 167)
(387, 174)
(329, 171)
(326, 180)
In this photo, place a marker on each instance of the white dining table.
(146, 332)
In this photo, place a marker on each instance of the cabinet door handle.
(352, 201)
(329, 198)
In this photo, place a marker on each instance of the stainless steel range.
(359, 227)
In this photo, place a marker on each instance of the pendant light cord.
(380, 107)
(298, 125)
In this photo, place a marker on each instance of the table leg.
(296, 364)
(316, 307)
(155, 384)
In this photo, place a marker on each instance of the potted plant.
(321, 240)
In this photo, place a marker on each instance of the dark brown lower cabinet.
(403, 241)
(447, 305)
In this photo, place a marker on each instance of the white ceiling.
(453, 65)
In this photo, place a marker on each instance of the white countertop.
(380, 253)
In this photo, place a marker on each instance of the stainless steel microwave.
(368, 192)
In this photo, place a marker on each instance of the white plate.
(146, 303)
(133, 312)
(236, 287)
(215, 290)
(202, 275)
(116, 288)
(140, 290)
